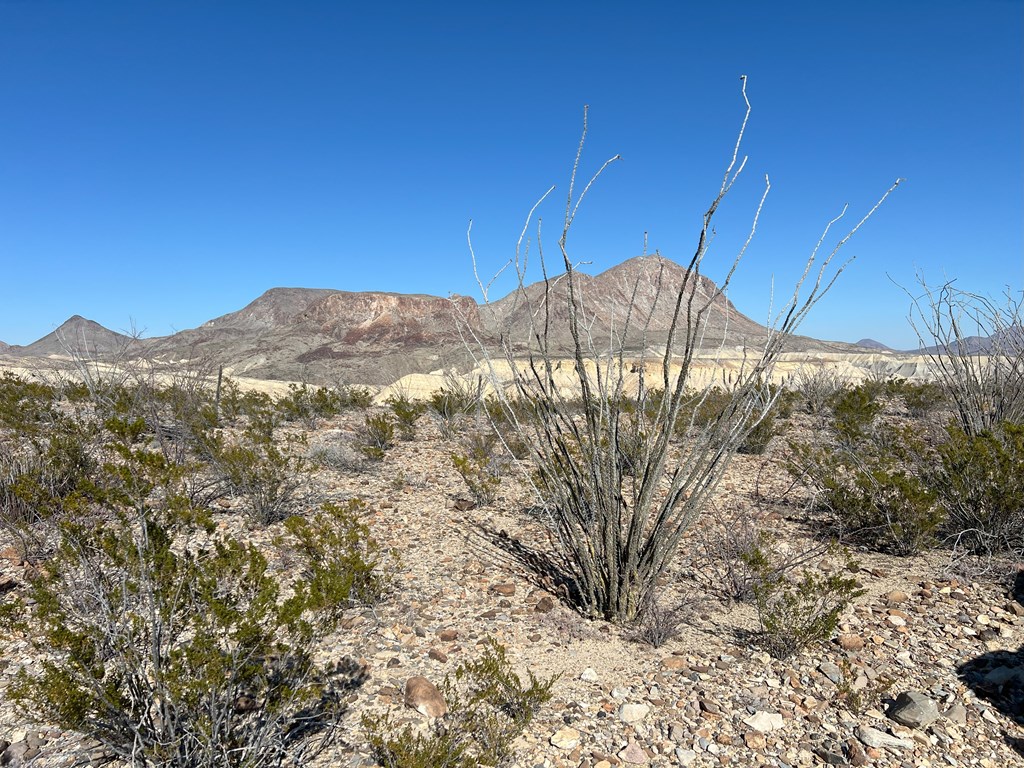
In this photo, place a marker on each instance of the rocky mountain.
(76, 336)
(325, 336)
(633, 302)
(1007, 341)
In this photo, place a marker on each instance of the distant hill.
(76, 336)
(325, 336)
(872, 344)
(1009, 341)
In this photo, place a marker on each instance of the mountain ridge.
(326, 335)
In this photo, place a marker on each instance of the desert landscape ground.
(920, 666)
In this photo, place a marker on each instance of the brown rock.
(423, 696)
(505, 590)
(11, 555)
(755, 740)
(545, 605)
(851, 642)
(634, 755)
(674, 663)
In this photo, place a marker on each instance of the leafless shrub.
(732, 553)
(614, 533)
(817, 385)
(976, 348)
(659, 623)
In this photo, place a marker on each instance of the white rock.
(874, 738)
(589, 675)
(685, 756)
(764, 722)
(633, 713)
(565, 738)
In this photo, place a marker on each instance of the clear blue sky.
(166, 162)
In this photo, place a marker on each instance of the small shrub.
(732, 556)
(875, 491)
(309, 406)
(853, 412)
(453, 403)
(796, 614)
(817, 386)
(265, 472)
(378, 436)
(406, 412)
(341, 456)
(342, 560)
(980, 482)
(488, 707)
(859, 700)
(175, 646)
(922, 399)
(659, 624)
(480, 467)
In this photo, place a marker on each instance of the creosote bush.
(378, 436)
(266, 472)
(489, 705)
(480, 466)
(406, 412)
(173, 644)
(980, 482)
(798, 613)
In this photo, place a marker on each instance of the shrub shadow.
(544, 571)
(998, 678)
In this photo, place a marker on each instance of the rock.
(633, 713)
(634, 755)
(872, 737)
(505, 590)
(423, 696)
(685, 756)
(674, 663)
(913, 709)
(764, 722)
(565, 738)
(755, 740)
(851, 642)
(831, 671)
(588, 675)
(956, 714)
(545, 605)
(855, 753)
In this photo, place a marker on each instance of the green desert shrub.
(340, 559)
(378, 436)
(266, 472)
(489, 705)
(174, 653)
(480, 466)
(854, 410)
(797, 613)
(922, 399)
(309, 405)
(980, 482)
(406, 412)
(876, 490)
